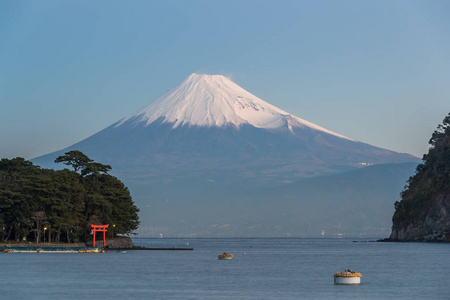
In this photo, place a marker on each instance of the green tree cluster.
(431, 178)
(62, 204)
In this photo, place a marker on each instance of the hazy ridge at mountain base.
(354, 203)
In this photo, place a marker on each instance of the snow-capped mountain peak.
(215, 100)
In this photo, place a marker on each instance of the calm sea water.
(270, 269)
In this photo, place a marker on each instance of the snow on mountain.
(207, 152)
(215, 100)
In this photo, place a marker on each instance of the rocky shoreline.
(123, 243)
(114, 244)
(431, 225)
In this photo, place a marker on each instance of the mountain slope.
(214, 100)
(208, 135)
(208, 124)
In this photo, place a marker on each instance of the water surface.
(261, 269)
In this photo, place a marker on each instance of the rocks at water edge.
(122, 243)
(432, 225)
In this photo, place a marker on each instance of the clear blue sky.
(375, 71)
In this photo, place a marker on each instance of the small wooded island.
(423, 214)
(45, 205)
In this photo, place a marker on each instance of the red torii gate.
(102, 228)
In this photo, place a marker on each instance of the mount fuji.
(214, 100)
(209, 142)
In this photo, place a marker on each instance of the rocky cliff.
(432, 224)
(423, 214)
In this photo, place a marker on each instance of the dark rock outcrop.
(433, 224)
(118, 243)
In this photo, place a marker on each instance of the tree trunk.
(9, 233)
(16, 235)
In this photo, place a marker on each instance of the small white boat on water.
(347, 277)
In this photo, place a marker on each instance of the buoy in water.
(347, 277)
(225, 256)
